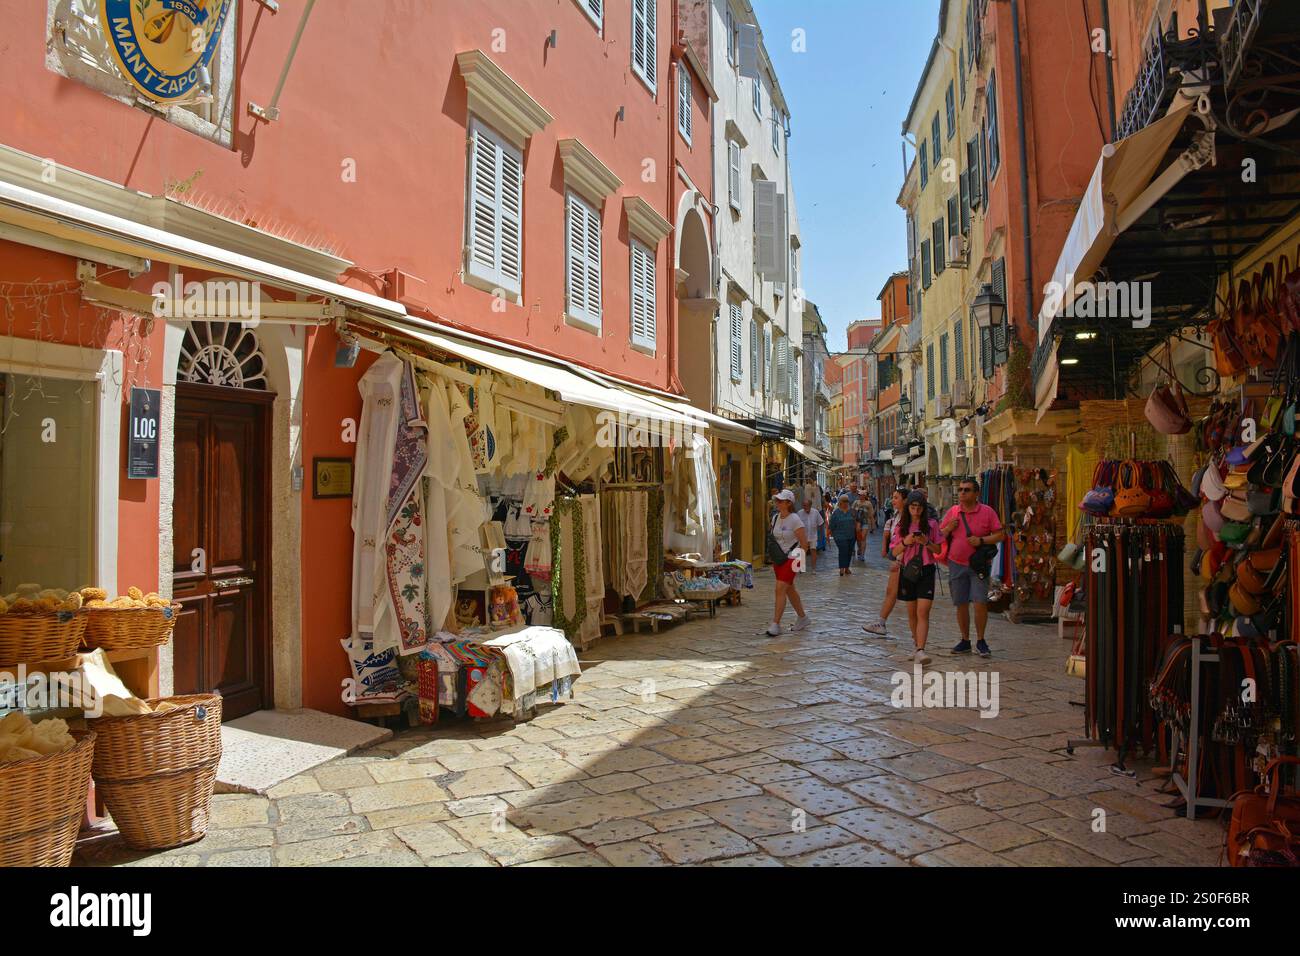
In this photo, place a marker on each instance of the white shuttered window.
(583, 260)
(684, 101)
(737, 326)
(643, 296)
(495, 209)
(733, 174)
(592, 9)
(767, 360)
(754, 367)
(644, 52)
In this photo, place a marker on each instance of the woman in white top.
(789, 531)
(812, 519)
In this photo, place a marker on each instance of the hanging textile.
(654, 544)
(623, 519)
(466, 507)
(1135, 599)
(997, 490)
(589, 630)
(569, 567)
(579, 455)
(439, 497)
(389, 581)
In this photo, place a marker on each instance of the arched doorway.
(696, 302)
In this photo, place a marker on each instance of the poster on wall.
(142, 447)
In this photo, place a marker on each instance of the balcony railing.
(1237, 37)
(1166, 60)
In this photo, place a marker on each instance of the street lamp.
(988, 309)
(905, 407)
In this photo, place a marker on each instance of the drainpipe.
(675, 57)
(1024, 160)
(1110, 67)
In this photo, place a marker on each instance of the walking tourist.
(844, 532)
(915, 542)
(973, 529)
(812, 519)
(897, 502)
(789, 531)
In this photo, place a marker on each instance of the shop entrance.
(220, 516)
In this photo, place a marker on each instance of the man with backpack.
(973, 531)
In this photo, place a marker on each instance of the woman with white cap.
(789, 531)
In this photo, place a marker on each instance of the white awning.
(75, 223)
(1120, 192)
(808, 451)
(570, 386)
(916, 466)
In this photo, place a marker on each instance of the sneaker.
(921, 656)
(801, 623)
(774, 630)
(877, 628)
(982, 648)
(963, 647)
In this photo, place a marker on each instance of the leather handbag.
(1263, 504)
(1265, 825)
(1101, 498)
(1264, 336)
(1245, 318)
(1162, 502)
(1228, 358)
(1235, 533)
(1243, 602)
(1131, 499)
(1167, 411)
(1250, 580)
(1235, 507)
(1288, 291)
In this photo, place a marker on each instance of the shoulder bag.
(775, 553)
(981, 561)
(1131, 501)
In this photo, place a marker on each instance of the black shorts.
(922, 590)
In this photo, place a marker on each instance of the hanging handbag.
(1131, 501)
(1265, 825)
(1162, 502)
(1246, 317)
(981, 559)
(775, 553)
(1166, 408)
(1228, 359)
(1288, 291)
(1101, 499)
(1264, 335)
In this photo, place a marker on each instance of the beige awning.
(808, 451)
(1120, 192)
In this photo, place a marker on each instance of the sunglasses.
(966, 489)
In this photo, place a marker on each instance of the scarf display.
(998, 490)
(577, 582)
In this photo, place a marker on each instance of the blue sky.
(848, 96)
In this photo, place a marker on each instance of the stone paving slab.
(713, 744)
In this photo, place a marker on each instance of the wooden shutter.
(937, 237)
(954, 216)
(737, 325)
(925, 166)
(644, 324)
(936, 137)
(994, 152)
(782, 245)
(925, 270)
(494, 215)
(511, 228)
(767, 360)
(999, 337)
(964, 189)
(644, 53)
(958, 352)
(782, 389)
(929, 372)
(765, 226)
(943, 363)
(583, 260)
(749, 50)
(593, 8)
(483, 209)
(754, 365)
(684, 101)
(733, 173)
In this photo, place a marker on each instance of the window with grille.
(494, 224)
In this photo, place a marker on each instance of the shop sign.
(142, 449)
(163, 46)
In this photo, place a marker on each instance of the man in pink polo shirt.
(968, 525)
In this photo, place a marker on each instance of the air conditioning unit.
(961, 392)
(958, 251)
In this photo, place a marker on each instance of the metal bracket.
(87, 271)
(270, 5)
(267, 114)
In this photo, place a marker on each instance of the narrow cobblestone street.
(713, 743)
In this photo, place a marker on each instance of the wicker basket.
(121, 629)
(156, 771)
(46, 636)
(42, 803)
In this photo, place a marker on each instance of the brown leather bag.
(1167, 410)
(1228, 358)
(1265, 826)
(1288, 292)
(1131, 500)
(1244, 321)
(1265, 334)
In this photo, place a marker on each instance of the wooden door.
(221, 575)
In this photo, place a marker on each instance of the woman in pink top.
(915, 534)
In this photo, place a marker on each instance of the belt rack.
(1189, 788)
